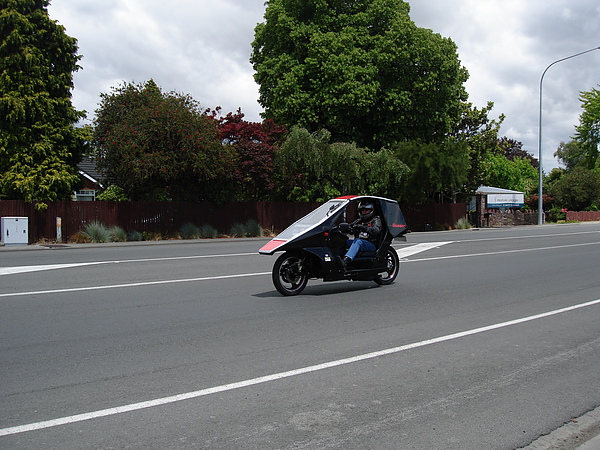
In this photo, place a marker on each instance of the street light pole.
(540, 200)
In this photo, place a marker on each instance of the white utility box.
(15, 230)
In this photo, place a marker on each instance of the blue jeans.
(359, 245)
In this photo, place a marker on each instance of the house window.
(86, 195)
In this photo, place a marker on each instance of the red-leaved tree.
(255, 144)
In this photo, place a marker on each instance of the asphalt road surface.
(488, 339)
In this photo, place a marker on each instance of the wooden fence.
(583, 216)
(168, 217)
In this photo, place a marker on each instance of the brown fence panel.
(158, 217)
(168, 217)
(583, 216)
(433, 216)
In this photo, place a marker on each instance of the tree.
(513, 150)
(39, 143)
(255, 145)
(160, 146)
(480, 134)
(435, 170)
(518, 174)
(314, 169)
(588, 130)
(359, 68)
(577, 190)
(571, 154)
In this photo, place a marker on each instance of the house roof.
(87, 168)
(495, 190)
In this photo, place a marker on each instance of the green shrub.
(117, 234)
(113, 194)
(208, 232)
(253, 229)
(189, 231)
(135, 236)
(95, 232)
(462, 224)
(237, 230)
(556, 214)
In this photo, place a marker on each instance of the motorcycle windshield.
(313, 218)
(305, 224)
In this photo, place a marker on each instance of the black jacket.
(368, 231)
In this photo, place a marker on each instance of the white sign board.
(509, 200)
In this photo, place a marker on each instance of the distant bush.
(208, 232)
(117, 234)
(135, 236)
(237, 230)
(189, 231)
(95, 232)
(249, 229)
(253, 229)
(113, 194)
(462, 224)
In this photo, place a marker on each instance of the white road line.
(280, 375)
(419, 248)
(25, 269)
(500, 252)
(120, 286)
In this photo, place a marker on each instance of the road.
(488, 340)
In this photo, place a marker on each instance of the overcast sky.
(202, 48)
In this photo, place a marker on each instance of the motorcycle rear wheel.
(288, 276)
(392, 268)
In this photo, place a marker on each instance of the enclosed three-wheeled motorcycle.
(314, 246)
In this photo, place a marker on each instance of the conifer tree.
(39, 143)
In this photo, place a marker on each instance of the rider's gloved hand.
(344, 227)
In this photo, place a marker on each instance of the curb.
(582, 433)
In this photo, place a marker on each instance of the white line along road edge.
(278, 376)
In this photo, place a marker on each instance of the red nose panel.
(271, 246)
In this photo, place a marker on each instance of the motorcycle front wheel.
(288, 276)
(392, 268)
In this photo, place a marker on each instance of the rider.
(367, 229)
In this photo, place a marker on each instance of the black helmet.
(366, 210)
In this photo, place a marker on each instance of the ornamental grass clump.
(462, 224)
(135, 236)
(117, 234)
(237, 230)
(95, 232)
(189, 231)
(208, 232)
(253, 229)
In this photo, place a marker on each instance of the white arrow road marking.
(25, 269)
(419, 248)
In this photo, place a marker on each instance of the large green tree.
(39, 143)
(588, 130)
(359, 68)
(578, 189)
(161, 146)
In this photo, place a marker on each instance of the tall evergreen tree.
(39, 143)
